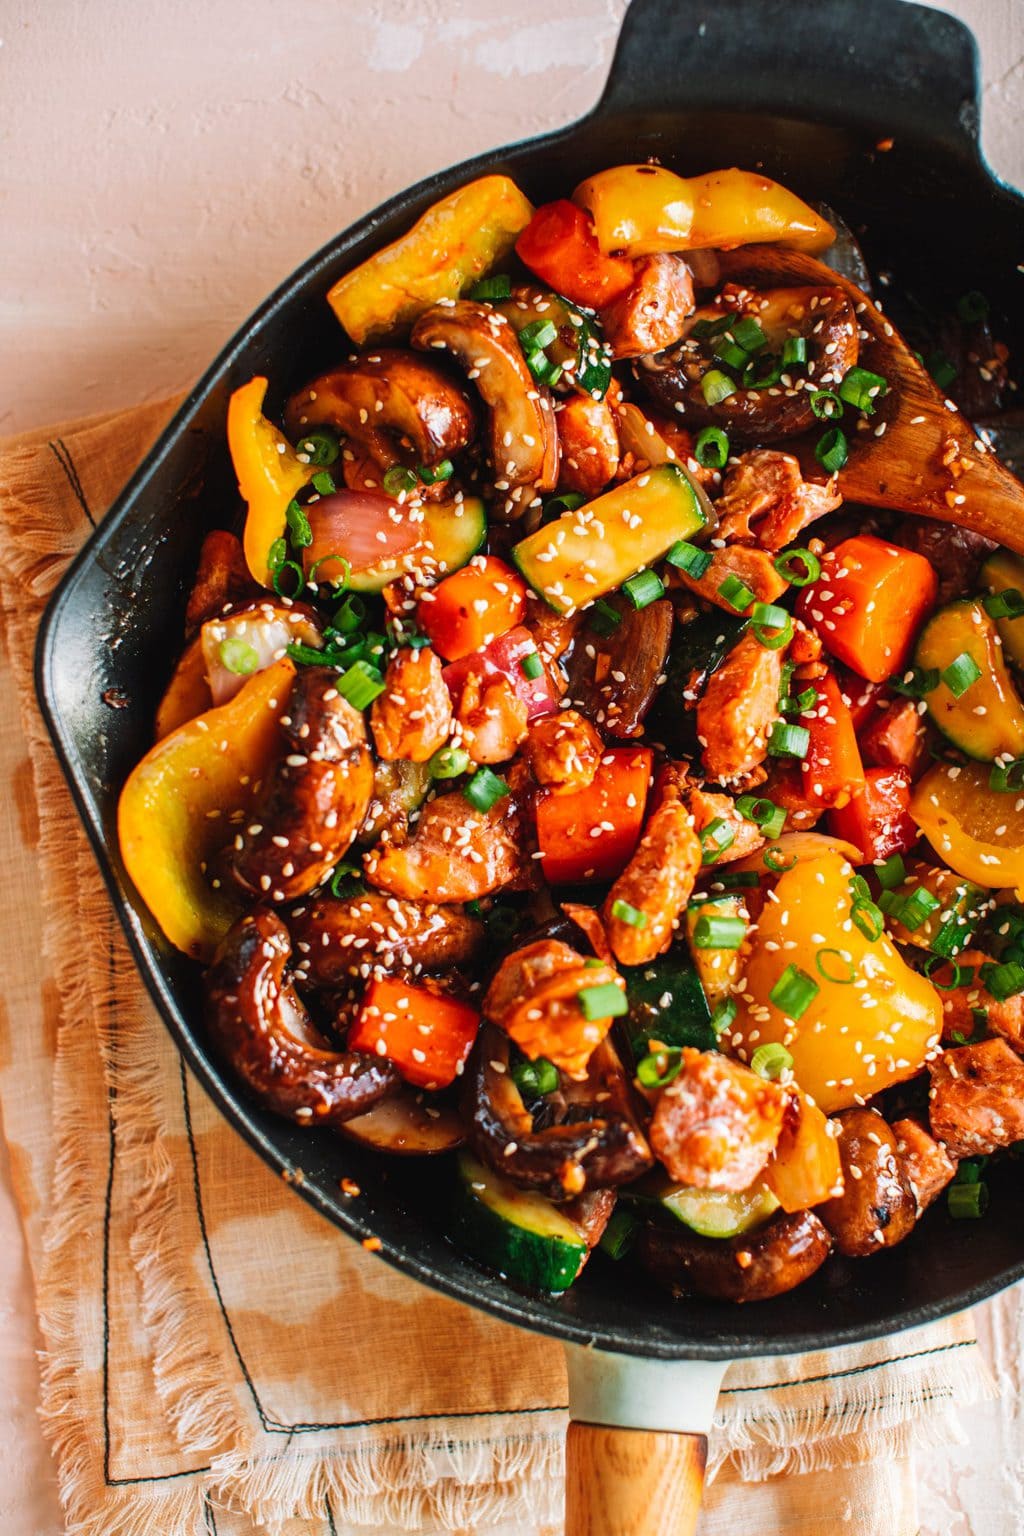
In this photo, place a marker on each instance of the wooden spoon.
(917, 453)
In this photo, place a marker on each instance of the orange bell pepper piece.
(559, 245)
(269, 474)
(469, 609)
(831, 771)
(426, 1037)
(805, 1167)
(176, 810)
(592, 833)
(868, 604)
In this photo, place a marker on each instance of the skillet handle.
(892, 67)
(637, 1443)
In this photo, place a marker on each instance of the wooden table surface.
(168, 163)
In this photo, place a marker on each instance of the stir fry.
(578, 771)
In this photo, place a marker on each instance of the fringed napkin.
(218, 1359)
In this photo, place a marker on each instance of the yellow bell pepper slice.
(640, 209)
(872, 1022)
(181, 804)
(449, 248)
(977, 831)
(269, 473)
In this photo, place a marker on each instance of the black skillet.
(871, 107)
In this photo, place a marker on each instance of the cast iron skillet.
(806, 94)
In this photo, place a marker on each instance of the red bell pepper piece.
(504, 657)
(560, 246)
(591, 834)
(471, 608)
(868, 604)
(897, 738)
(877, 820)
(427, 1037)
(831, 769)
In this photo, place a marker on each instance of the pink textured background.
(165, 164)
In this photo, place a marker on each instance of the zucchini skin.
(502, 1239)
(964, 628)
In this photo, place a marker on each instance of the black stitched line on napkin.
(62, 454)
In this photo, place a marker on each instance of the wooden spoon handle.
(632, 1482)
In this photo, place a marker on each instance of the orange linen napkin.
(219, 1359)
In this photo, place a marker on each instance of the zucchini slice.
(450, 537)
(514, 1231)
(584, 360)
(1004, 572)
(711, 1212)
(667, 1003)
(986, 720)
(588, 553)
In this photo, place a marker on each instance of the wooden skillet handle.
(632, 1482)
(637, 1444)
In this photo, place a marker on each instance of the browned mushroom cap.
(407, 1124)
(336, 938)
(386, 400)
(260, 1027)
(824, 316)
(599, 1144)
(316, 798)
(523, 435)
(752, 1267)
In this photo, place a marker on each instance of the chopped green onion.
(567, 502)
(532, 666)
(449, 763)
(891, 872)
(310, 656)
(659, 1068)
(1007, 778)
(961, 674)
(277, 554)
(748, 333)
(619, 1235)
(1003, 981)
(543, 369)
(296, 570)
(434, 475)
(711, 448)
(345, 880)
(868, 918)
(916, 683)
(761, 372)
(716, 386)
(731, 354)
(718, 932)
(771, 818)
(832, 450)
(861, 389)
(335, 581)
(604, 1002)
(1008, 604)
(644, 588)
(485, 789)
(398, 480)
(943, 371)
(972, 307)
(360, 685)
(298, 525)
(320, 447)
(535, 1078)
(735, 880)
(538, 335)
(793, 993)
(736, 593)
(961, 976)
(797, 703)
(323, 483)
(786, 740)
(798, 566)
(723, 1015)
(771, 626)
(603, 619)
(715, 838)
(771, 1060)
(497, 287)
(688, 558)
(707, 330)
(826, 404)
(829, 971)
(239, 656)
(918, 907)
(794, 351)
(774, 860)
(967, 1201)
(349, 615)
(632, 916)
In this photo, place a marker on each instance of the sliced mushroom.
(752, 1267)
(599, 1144)
(336, 938)
(824, 316)
(407, 1124)
(316, 798)
(614, 678)
(877, 1207)
(260, 1027)
(523, 435)
(383, 403)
